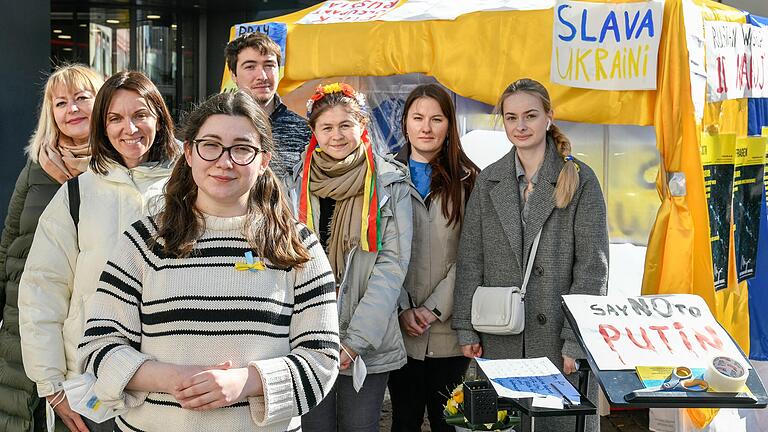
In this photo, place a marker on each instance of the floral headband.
(324, 90)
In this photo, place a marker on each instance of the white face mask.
(50, 417)
(359, 372)
(82, 399)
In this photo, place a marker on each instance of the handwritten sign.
(606, 46)
(278, 32)
(673, 330)
(348, 11)
(737, 60)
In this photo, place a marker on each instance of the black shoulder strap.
(73, 188)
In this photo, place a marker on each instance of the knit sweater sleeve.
(112, 338)
(295, 383)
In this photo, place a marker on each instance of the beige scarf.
(342, 181)
(64, 160)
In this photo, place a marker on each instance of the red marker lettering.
(603, 328)
(648, 345)
(679, 327)
(713, 341)
(660, 330)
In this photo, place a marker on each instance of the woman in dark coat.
(57, 152)
(538, 185)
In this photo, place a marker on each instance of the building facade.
(179, 44)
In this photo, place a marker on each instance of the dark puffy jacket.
(18, 397)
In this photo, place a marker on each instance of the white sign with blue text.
(606, 46)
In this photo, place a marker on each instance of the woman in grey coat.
(537, 185)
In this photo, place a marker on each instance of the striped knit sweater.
(200, 310)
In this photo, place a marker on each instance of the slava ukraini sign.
(606, 46)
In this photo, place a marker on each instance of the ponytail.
(568, 179)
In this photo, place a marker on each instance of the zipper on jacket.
(347, 261)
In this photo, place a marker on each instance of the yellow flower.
(332, 88)
(458, 394)
(452, 406)
(501, 415)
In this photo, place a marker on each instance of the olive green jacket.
(18, 397)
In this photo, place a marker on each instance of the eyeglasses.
(240, 154)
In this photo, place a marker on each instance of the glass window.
(109, 39)
(156, 51)
(161, 42)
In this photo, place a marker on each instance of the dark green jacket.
(18, 397)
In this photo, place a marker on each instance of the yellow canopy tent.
(478, 54)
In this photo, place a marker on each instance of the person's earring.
(549, 123)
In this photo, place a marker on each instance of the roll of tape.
(726, 374)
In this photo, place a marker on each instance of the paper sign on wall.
(278, 32)
(606, 46)
(748, 202)
(737, 60)
(666, 330)
(717, 157)
(348, 11)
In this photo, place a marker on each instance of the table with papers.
(536, 388)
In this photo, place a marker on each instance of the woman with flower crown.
(358, 203)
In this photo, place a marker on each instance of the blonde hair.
(72, 76)
(568, 179)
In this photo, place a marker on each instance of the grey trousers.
(344, 409)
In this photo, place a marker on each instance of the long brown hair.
(451, 164)
(568, 179)
(103, 153)
(275, 237)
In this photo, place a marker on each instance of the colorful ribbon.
(250, 264)
(370, 239)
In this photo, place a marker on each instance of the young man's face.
(257, 74)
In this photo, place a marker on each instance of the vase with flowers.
(454, 415)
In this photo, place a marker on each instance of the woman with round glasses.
(218, 313)
(132, 150)
(240, 154)
(57, 152)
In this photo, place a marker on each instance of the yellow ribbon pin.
(249, 264)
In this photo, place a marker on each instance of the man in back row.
(254, 60)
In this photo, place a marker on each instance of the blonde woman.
(538, 185)
(57, 152)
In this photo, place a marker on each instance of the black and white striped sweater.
(201, 310)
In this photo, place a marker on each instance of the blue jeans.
(344, 409)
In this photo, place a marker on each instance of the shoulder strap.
(529, 267)
(73, 189)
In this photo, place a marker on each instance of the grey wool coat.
(572, 259)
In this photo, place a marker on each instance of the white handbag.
(501, 310)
